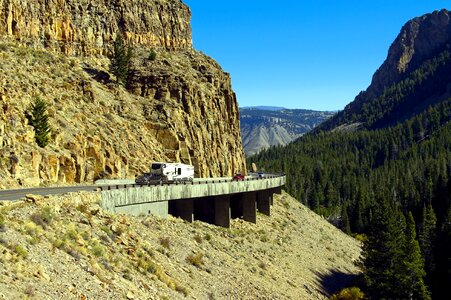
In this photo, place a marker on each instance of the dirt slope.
(68, 248)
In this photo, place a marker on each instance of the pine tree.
(121, 60)
(426, 238)
(382, 251)
(345, 220)
(39, 119)
(411, 271)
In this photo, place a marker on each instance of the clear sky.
(316, 54)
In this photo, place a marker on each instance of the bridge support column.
(250, 207)
(183, 209)
(264, 202)
(277, 190)
(222, 211)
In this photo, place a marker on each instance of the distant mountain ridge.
(263, 107)
(263, 126)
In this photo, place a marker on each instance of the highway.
(20, 193)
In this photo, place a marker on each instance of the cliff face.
(87, 27)
(180, 107)
(419, 39)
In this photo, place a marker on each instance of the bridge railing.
(249, 178)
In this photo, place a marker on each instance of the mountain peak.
(419, 39)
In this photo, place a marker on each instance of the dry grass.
(280, 257)
(195, 259)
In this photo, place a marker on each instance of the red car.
(238, 177)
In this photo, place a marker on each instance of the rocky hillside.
(265, 127)
(179, 107)
(68, 248)
(414, 75)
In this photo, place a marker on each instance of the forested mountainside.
(390, 176)
(262, 127)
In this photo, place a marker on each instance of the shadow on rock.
(100, 76)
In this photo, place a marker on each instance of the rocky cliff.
(179, 107)
(88, 27)
(421, 38)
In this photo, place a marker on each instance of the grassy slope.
(84, 251)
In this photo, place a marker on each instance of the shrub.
(30, 291)
(195, 259)
(2, 223)
(33, 231)
(198, 238)
(152, 55)
(37, 219)
(352, 293)
(71, 234)
(39, 119)
(21, 251)
(83, 208)
(181, 289)
(97, 249)
(60, 244)
(165, 242)
(360, 237)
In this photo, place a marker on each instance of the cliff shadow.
(100, 76)
(333, 281)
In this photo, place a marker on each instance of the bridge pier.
(183, 208)
(236, 206)
(264, 201)
(222, 211)
(249, 206)
(204, 209)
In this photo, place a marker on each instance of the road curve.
(43, 191)
(17, 194)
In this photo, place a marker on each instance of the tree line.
(390, 181)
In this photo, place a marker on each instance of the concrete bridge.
(212, 201)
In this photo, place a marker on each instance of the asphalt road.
(20, 193)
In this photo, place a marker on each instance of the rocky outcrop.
(419, 39)
(179, 107)
(88, 27)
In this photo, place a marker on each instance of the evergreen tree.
(412, 272)
(121, 60)
(382, 252)
(39, 119)
(345, 220)
(426, 238)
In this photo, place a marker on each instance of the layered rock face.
(89, 26)
(419, 39)
(179, 108)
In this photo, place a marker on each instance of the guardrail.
(197, 182)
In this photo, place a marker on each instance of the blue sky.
(316, 54)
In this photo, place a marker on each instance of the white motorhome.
(172, 171)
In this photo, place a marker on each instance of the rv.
(167, 172)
